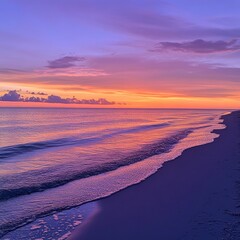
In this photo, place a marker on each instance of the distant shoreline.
(194, 197)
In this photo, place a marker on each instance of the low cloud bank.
(14, 96)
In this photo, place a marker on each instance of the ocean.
(54, 160)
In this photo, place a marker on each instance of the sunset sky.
(128, 53)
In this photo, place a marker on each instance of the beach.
(152, 169)
(195, 196)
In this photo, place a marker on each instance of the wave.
(163, 146)
(15, 150)
(23, 126)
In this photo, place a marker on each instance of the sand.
(196, 196)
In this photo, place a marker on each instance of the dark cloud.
(65, 62)
(16, 97)
(58, 99)
(42, 93)
(34, 99)
(37, 93)
(11, 96)
(199, 46)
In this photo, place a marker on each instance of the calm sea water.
(55, 159)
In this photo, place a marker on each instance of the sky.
(128, 53)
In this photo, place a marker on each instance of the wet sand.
(195, 196)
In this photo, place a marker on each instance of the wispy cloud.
(10, 71)
(65, 62)
(53, 72)
(14, 96)
(199, 46)
(148, 19)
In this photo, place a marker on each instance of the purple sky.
(143, 52)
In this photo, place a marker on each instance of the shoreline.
(37, 226)
(169, 202)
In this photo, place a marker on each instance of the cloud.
(11, 71)
(37, 93)
(199, 46)
(16, 97)
(65, 62)
(51, 72)
(129, 73)
(12, 96)
(126, 72)
(42, 93)
(150, 19)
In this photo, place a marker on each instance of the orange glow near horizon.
(171, 93)
(133, 89)
(134, 98)
(139, 98)
(141, 102)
